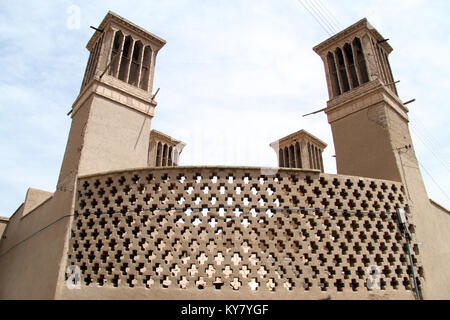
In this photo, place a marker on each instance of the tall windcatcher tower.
(112, 115)
(110, 130)
(367, 118)
(371, 136)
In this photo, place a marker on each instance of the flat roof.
(112, 16)
(361, 24)
(302, 133)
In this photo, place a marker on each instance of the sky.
(234, 76)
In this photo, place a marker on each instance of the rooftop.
(360, 25)
(112, 16)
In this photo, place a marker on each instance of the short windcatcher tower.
(300, 150)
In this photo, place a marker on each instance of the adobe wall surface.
(236, 233)
(75, 140)
(3, 224)
(30, 260)
(432, 223)
(116, 137)
(432, 230)
(360, 143)
(435, 251)
(35, 198)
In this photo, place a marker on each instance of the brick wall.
(217, 232)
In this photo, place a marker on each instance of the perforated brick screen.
(238, 230)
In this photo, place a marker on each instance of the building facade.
(126, 222)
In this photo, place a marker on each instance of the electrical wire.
(317, 20)
(421, 127)
(423, 140)
(430, 143)
(431, 177)
(35, 233)
(320, 15)
(429, 140)
(330, 15)
(320, 7)
(323, 16)
(433, 141)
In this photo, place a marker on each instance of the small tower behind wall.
(300, 150)
(164, 150)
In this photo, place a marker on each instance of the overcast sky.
(235, 75)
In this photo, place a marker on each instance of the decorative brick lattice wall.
(237, 230)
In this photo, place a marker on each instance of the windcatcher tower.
(110, 130)
(300, 150)
(367, 118)
(370, 130)
(164, 150)
(112, 115)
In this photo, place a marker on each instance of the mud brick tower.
(371, 136)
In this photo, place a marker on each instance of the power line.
(319, 13)
(432, 151)
(323, 16)
(35, 233)
(322, 8)
(426, 133)
(417, 119)
(427, 140)
(330, 15)
(426, 171)
(319, 10)
(430, 138)
(426, 144)
(317, 20)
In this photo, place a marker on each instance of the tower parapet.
(354, 57)
(121, 50)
